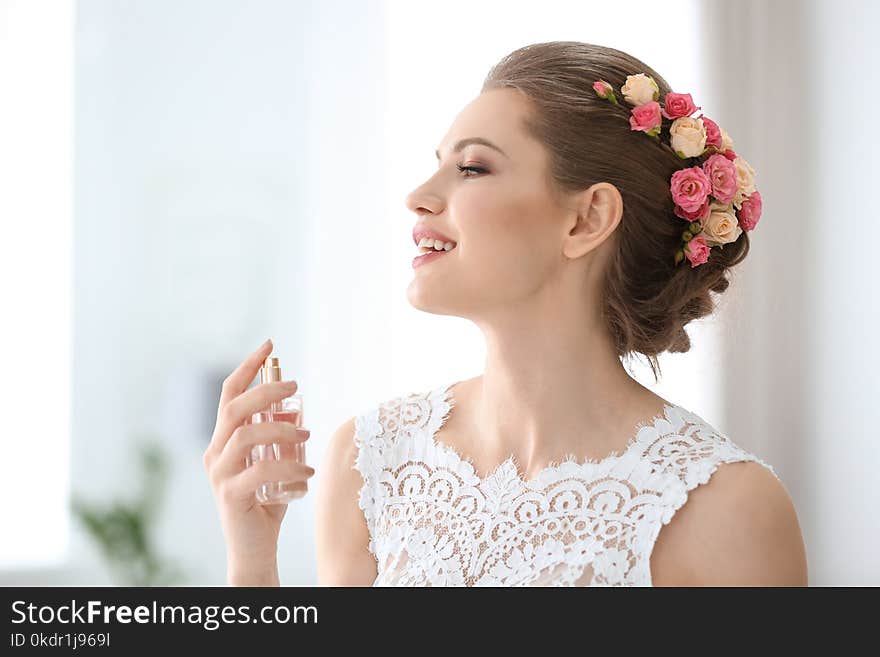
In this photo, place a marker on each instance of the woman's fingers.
(244, 438)
(241, 488)
(259, 398)
(240, 379)
(233, 414)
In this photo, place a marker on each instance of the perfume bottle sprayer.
(289, 409)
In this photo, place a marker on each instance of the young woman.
(574, 227)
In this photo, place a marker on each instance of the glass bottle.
(289, 409)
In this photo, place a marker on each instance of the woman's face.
(507, 224)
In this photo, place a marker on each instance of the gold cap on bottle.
(271, 370)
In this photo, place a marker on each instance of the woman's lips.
(429, 257)
(421, 230)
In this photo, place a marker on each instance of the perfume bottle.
(289, 409)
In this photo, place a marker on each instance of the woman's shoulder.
(732, 521)
(738, 527)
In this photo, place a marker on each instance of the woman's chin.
(424, 296)
(418, 297)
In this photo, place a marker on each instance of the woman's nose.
(420, 202)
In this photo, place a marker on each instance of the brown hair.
(647, 299)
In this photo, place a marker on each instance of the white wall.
(842, 441)
(36, 218)
(797, 83)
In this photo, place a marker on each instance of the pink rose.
(713, 132)
(646, 118)
(730, 154)
(700, 213)
(602, 88)
(678, 105)
(722, 173)
(690, 188)
(697, 251)
(750, 211)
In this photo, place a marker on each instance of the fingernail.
(290, 384)
(266, 343)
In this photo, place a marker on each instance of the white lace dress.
(434, 522)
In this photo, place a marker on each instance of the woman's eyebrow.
(472, 140)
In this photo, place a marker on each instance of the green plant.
(123, 528)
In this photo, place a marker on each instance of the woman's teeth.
(426, 245)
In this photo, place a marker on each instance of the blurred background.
(180, 180)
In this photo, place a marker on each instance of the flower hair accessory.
(716, 196)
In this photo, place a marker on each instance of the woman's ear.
(599, 210)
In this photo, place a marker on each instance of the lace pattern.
(434, 521)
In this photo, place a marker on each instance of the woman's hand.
(250, 529)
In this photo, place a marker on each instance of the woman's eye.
(474, 170)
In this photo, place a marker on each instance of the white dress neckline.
(510, 468)
(433, 521)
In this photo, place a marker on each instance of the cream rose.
(640, 89)
(726, 141)
(745, 181)
(688, 136)
(721, 226)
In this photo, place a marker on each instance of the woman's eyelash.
(473, 169)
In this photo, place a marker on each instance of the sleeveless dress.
(433, 521)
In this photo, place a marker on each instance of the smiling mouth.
(429, 254)
(429, 245)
